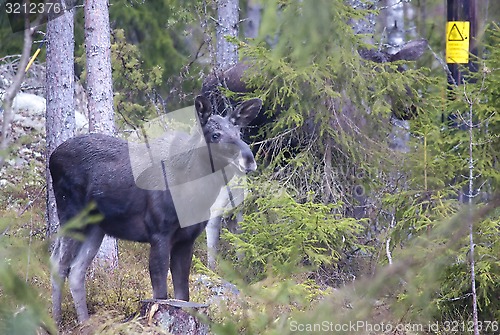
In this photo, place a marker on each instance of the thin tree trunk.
(470, 196)
(60, 112)
(400, 135)
(254, 15)
(226, 56)
(395, 25)
(227, 25)
(100, 93)
(366, 25)
(99, 82)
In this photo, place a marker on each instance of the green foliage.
(263, 307)
(21, 311)
(111, 322)
(165, 38)
(318, 30)
(144, 24)
(332, 113)
(334, 107)
(333, 118)
(396, 295)
(124, 286)
(438, 174)
(282, 235)
(159, 29)
(134, 87)
(22, 306)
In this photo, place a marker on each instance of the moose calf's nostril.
(246, 165)
(253, 167)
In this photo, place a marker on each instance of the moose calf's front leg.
(159, 256)
(60, 270)
(180, 265)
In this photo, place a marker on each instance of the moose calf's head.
(223, 133)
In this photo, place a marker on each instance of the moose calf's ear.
(203, 109)
(412, 50)
(246, 112)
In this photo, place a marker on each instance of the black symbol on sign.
(455, 35)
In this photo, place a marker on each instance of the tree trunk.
(226, 56)
(395, 24)
(254, 15)
(365, 25)
(395, 38)
(60, 112)
(227, 25)
(100, 93)
(99, 82)
(173, 316)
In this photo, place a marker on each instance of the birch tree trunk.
(227, 25)
(400, 135)
(470, 195)
(254, 15)
(60, 111)
(226, 56)
(395, 25)
(100, 94)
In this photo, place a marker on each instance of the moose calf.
(96, 168)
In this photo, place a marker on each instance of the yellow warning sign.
(457, 42)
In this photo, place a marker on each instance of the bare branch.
(12, 90)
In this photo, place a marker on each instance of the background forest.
(377, 193)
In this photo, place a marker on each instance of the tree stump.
(174, 316)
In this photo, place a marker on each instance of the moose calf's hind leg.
(62, 255)
(79, 267)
